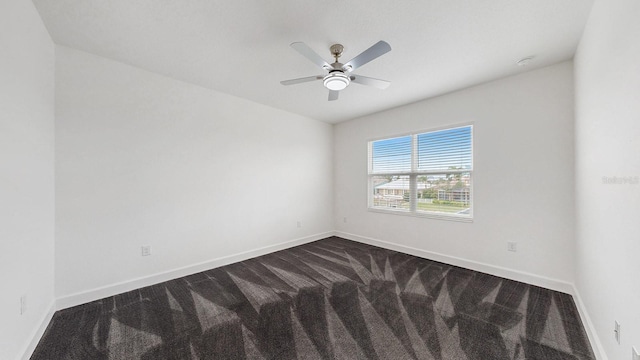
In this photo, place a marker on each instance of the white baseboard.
(598, 349)
(117, 288)
(36, 335)
(525, 277)
(516, 275)
(110, 290)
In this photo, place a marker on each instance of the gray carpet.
(330, 299)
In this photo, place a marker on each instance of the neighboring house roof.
(400, 184)
(403, 184)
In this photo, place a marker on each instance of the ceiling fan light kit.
(336, 81)
(339, 75)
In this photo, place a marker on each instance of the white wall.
(523, 178)
(26, 175)
(608, 144)
(198, 175)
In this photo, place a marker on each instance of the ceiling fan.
(339, 75)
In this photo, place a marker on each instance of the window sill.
(452, 217)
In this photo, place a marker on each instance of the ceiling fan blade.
(333, 95)
(307, 52)
(300, 80)
(378, 49)
(365, 80)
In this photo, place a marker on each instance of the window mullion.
(414, 154)
(413, 187)
(413, 192)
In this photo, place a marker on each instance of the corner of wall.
(594, 339)
(37, 333)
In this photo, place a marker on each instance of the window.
(427, 174)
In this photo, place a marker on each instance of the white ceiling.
(241, 47)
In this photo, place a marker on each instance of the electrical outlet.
(635, 355)
(146, 250)
(344, 219)
(616, 331)
(512, 246)
(23, 304)
(299, 224)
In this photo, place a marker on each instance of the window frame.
(413, 174)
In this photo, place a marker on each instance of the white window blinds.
(426, 174)
(445, 149)
(391, 155)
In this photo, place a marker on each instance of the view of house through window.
(423, 174)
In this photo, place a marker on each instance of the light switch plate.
(635, 355)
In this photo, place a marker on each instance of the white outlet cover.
(146, 250)
(635, 354)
